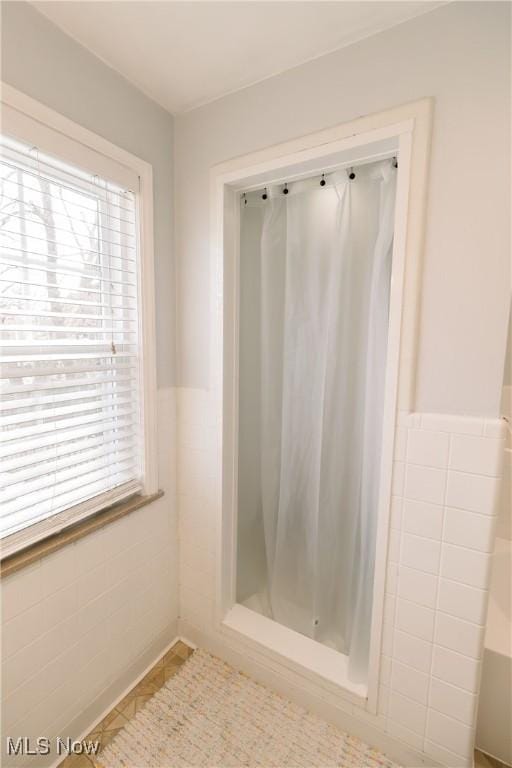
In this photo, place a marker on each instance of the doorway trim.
(410, 125)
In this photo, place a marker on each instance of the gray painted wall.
(48, 65)
(460, 55)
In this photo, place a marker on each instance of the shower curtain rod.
(350, 167)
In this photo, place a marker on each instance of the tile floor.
(165, 668)
(105, 731)
(485, 761)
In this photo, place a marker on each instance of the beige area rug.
(209, 715)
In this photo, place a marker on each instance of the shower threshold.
(296, 651)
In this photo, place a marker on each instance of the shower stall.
(315, 270)
(309, 366)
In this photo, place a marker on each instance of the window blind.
(70, 406)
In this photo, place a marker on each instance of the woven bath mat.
(209, 715)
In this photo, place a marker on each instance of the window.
(71, 380)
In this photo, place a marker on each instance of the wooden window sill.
(72, 533)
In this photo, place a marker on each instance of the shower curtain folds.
(325, 270)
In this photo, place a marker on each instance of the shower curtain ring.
(322, 180)
(351, 174)
(264, 195)
(285, 190)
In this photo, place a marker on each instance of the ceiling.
(184, 54)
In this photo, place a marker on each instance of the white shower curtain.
(325, 279)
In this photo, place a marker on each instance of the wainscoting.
(446, 478)
(80, 625)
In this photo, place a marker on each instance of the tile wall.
(80, 624)
(109, 600)
(443, 511)
(445, 487)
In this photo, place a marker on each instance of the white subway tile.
(89, 645)
(446, 756)
(410, 682)
(18, 703)
(469, 529)
(474, 493)
(409, 737)
(407, 713)
(58, 569)
(90, 551)
(429, 449)
(498, 427)
(191, 406)
(459, 635)
(425, 484)
(462, 425)
(462, 601)
(54, 642)
(195, 580)
(21, 630)
(465, 565)
(71, 594)
(21, 666)
(121, 564)
(125, 592)
(422, 519)
(191, 435)
(412, 651)
(449, 733)
(197, 514)
(451, 700)
(118, 625)
(477, 455)
(20, 591)
(199, 558)
(455, 668)
(410, 601)
(95, 612)
(196, 608)
(420, 553)
(117, 537)
(417, 586)
(415, 619)
(408, 418)
(59, 606)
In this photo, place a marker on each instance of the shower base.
(293, 649)
(259, 602)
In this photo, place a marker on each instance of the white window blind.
(70, 409)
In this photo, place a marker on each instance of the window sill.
(56, 541)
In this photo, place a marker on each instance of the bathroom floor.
(164, 669)
(117, 718)
(485, 761)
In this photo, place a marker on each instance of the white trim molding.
(34, 123)
(406, 131)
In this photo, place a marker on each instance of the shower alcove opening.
(283, 221)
